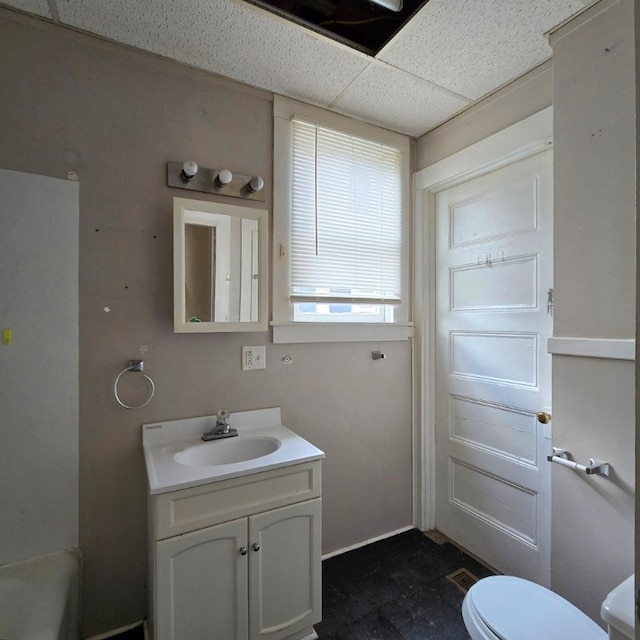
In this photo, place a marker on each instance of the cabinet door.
(202, 584)
(285, 579)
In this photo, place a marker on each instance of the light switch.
(253, 358)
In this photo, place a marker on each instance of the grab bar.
(594, 468)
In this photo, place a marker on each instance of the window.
(340, 227)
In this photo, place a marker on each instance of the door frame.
(517, 142)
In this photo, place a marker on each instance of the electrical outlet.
(253, 358)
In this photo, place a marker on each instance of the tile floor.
(394, 589)
(132, 634)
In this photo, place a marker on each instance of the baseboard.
(308, 635)
(364, 543)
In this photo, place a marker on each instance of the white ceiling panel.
(451, 53)
(396, 100)
(232, 39)
(473, 47)
(39, 7)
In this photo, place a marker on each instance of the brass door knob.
(543, 417)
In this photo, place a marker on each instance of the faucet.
(222, 428)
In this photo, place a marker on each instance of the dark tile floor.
(394, 589)
(132, 634)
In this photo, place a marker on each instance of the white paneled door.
(493, 372)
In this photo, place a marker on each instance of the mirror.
(220, 267)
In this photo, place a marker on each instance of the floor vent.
(462, 579)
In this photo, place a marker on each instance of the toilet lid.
(517, 609)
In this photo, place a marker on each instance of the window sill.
(300, 332)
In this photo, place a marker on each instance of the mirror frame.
(187, 211)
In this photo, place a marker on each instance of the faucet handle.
(223, 416)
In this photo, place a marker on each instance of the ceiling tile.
(39, 7)
(232, 39)
(396, 100)
(450, 53)
(471, 47)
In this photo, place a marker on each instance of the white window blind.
(346, 218)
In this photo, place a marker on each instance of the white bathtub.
(39, 598)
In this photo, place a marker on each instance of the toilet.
(618, 611)
(510, 608)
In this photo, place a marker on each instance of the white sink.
(226, 451)
(176, 457)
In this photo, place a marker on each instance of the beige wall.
(592, 518)
(594, 239)
(594, 152)
(116, 116)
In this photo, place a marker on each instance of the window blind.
(346, 212)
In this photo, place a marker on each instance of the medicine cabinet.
(219, 267)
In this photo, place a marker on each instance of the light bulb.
(255, 184)
(392, 5)
(189, 169)
(224, 177)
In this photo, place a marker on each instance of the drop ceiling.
(449, 55)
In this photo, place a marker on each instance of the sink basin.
(177, 458)
(226, 451)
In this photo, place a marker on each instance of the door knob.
(543, 417)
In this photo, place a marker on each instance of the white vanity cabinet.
(201, 584)
(238, 559)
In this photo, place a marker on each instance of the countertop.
(163, 440)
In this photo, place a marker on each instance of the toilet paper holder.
(594, 468)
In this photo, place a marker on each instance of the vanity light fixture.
(189, 169)
(188, 175)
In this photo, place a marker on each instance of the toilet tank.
(618, 611)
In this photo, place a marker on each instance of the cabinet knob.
(255, 546)
(243, 551)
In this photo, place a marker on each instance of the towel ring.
(134, 365)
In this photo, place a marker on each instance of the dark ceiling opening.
(360, 24)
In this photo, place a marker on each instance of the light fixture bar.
(188, 175)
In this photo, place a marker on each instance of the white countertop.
(162, 440)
